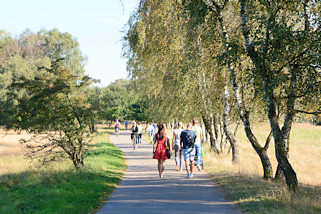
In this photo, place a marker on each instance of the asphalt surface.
(142, 191)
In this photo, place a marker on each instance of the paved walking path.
(142, 191)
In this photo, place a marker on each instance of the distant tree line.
(116, 101)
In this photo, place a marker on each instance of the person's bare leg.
(162, 167)
(187, 167)
(192, 166)
(159, 167)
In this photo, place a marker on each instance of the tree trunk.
(207, 117)
(280, 137)
(227, 129)
(278, 174)
(215, 127)
(78, 160)
(92, 127)
(223, 135)
(204, 133)
(284, 164)
(208, 122)
(244, 115)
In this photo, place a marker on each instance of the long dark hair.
(161, 132)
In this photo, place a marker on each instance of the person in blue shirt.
(126, 124)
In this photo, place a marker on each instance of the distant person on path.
(117, 126)
(140, 132)
(188, 138)
(177, 147)
(151, 132)
(154, 125)
(159, 149)
(198, 145)
(134, 131)
(126, 124)
(155, 129)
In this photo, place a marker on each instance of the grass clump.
(61, 189)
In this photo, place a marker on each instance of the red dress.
(160, 152)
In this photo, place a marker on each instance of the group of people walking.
(185, 143)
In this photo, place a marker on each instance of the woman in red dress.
(160, 150)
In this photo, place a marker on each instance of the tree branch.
(307, 112)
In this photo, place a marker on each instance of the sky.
(96, 24)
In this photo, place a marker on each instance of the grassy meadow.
(58, 188)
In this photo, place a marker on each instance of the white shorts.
(189, 154)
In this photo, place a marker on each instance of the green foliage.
(168, 54)
(22, 56)
(64, 190)
(117, 101)
(55, 109)
(41, 91)
(62, 45)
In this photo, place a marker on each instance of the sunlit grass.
(61, 189)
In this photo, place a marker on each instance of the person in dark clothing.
(188, 138)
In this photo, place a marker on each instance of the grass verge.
(65, 190)
(252, 194)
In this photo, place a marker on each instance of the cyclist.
(117, 127)
(133, 134)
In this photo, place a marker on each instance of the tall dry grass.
(11, 152)
(304, 155)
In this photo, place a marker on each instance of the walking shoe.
(191, 175)
(187, 176)
(199, 167)
(176, 168)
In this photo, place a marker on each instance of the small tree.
(57, 111)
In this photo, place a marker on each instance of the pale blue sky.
(96, 24)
